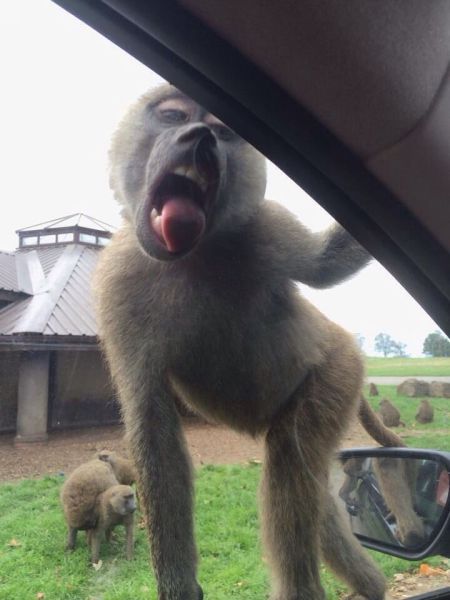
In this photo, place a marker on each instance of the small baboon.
(197, 302)
(123, 467)
(373, 390)
(389, 414)
(115, 506)
(425, 414)
(79, 495)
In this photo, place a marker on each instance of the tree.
(383, 343)
(436, 344)
(398, 349)
(386, 345)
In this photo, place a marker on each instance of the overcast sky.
(64, 88)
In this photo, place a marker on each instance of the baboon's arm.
(165, 484)
(320, 259)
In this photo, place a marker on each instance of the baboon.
(373, 390)
(197, 301)
(123, 467)
(115, 506)
(425, 414)
(79, 494)
(389, 414)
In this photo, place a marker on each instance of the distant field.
(417, 435)
(408, 408)
(407, 366)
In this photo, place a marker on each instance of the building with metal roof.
(51, 370)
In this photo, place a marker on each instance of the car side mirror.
(397, 500)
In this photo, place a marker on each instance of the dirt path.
(208, 444)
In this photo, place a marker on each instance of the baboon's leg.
(71, 538)
(88, 537)
(291, 489)
(108, 534)
(157, 444)
(129, 530)
(345, 556)
(95, 545)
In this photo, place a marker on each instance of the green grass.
(227, 534)
(408, 367)
(421, 435)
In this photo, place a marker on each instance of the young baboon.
(197, 301)
(79, 494)
(389, 414)
(113, 507)
(123, 467)
(425, 414)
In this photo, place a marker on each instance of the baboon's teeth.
(156, 221)
(193, 175)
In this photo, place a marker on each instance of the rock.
(440, 389)
(413, 388)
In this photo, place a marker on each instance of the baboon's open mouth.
(179, 209)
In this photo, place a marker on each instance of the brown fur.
(373, 390)
(397, 480)
(79, 495)
(221, 327)
(123, 467)
(113, 507)
(425, 414)
(389, 414)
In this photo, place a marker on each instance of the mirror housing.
(397, 499)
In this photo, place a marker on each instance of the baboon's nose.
(199, 133)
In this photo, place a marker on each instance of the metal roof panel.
(65, 307)
(8, 272)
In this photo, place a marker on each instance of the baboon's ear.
(103, 455)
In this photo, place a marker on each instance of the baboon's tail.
(375, 427)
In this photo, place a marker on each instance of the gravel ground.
(65, 450)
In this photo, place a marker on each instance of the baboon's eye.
(173, 116)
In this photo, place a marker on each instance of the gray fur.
(222, 326)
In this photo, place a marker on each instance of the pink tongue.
(182, 223)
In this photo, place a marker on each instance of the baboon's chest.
(231, 353)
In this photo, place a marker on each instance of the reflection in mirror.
(396, 501)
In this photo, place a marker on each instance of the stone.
(413, 388)
(440, 389)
